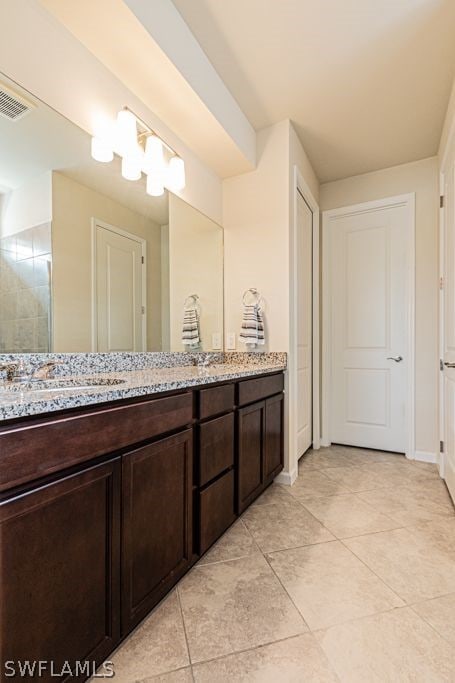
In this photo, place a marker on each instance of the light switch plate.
(230, 341)
(216, 341)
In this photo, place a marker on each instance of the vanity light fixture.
(142, 151)
(176, 173)
(101, 150)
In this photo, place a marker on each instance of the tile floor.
(348, 575)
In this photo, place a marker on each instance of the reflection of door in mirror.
(119, 297)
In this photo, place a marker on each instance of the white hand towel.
(191, 336)
(252, 333)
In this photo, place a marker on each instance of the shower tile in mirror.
(25, 284)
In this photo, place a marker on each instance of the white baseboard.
(425, 456)
(286, 478)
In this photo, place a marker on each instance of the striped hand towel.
(252, 333)
(191, 337)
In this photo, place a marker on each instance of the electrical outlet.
(216, 341)
(230, 341)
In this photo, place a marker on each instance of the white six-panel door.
(449, 328)
(368, 327)
(119, 291)
(304, 246)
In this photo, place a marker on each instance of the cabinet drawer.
(216, 510)
(251, 390)
(30, 451)
(216, 442)
(216, 400)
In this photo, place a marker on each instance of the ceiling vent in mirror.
(13, 106)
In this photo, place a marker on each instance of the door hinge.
(441, 201)
(441, 364)
(143, 310)
(441, 282)
(441, 446)
(142, 259)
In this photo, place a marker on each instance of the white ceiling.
(365, 82)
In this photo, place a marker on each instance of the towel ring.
(254, 292)
(192, 299)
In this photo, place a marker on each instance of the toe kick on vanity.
(103, 510)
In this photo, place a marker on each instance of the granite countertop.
(20, 401)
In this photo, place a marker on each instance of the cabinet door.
(156, 523)
(59, 570)
(273, 449)
(251, 421)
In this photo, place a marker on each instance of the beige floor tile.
(406, 505)
(437, 536)
(317, 483)
(357, 457)
(275, 526)
(323, 458)
(295, 660)
(435, 488)
(428, 467)
(377, 475)
(275, 493)
(393, 647)
(409, 561)
(440, 614)
(330, 585)
(235, 543)
(355, 479)
(347, 515)
(232, 606)
(157, 646)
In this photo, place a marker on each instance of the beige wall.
(27, 206)
(256, 233)
(420, 177)
(73, 207)
(258, 214)
(195, 267)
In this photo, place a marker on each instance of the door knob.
(449, 365)
(397, 359)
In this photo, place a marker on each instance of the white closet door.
(304, 245)
(369, 280)
(449, 329)
(119, 295)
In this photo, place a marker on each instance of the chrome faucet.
(45, 370)
(18, 373)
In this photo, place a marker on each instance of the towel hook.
(254, 292)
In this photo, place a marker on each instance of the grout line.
(389, 610)
(373, 571)
(184, 629)
(251, 649)
(287, 593)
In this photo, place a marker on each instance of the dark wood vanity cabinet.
(102, 510)
(157, 482)
(259, 438)
(60, 570)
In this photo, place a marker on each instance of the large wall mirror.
(88, 260)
